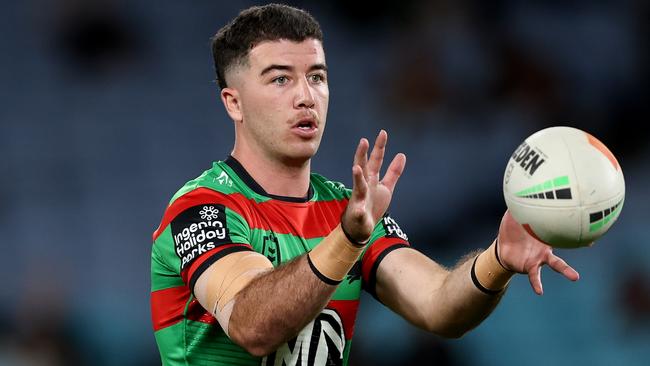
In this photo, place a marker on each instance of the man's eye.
(280, 80)
(317, 78)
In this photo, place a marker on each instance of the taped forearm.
(217, 287)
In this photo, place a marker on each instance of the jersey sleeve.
(198, 229)
(386, 237)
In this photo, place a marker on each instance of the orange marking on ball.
(603, 149)
(530, 231)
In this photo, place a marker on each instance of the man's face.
(283, 96)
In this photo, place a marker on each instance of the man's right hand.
(370, 195)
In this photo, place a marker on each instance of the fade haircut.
(272, 22)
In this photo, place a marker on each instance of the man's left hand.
(519, 252)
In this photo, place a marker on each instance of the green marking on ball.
(561, 181)
(545, 186)
(610, 217)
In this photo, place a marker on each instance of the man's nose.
(304, 95)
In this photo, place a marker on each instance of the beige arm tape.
(217, 286)
(335, 255)
(489, 272)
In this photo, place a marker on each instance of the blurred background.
(109, 106)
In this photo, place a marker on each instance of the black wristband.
(496, 253)
(321, 276)
(350, 239)
(478, 284)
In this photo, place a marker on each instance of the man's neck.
(289, 179)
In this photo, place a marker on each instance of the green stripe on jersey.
(167, 340)
(346, 353)
(165, 264)
(209, 345)
(327, 190)
(162, 276)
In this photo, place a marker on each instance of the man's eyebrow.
(291, 68)
(276, 67)
(318, 67)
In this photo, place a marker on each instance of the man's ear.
(230, 99)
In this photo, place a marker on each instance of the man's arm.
(449, 302)
(431, 297)
(260, 308)
(271, 308)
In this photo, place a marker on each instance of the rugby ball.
(564, 186)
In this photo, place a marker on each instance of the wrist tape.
(488, 274)
(333, 257)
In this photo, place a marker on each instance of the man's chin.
(301, 155)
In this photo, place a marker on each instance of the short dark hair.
(257, 24)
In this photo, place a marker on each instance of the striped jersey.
(225, 211)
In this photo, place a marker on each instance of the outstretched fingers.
(361, 156)
(377, 155)
(359, 184)
(535, 278)
(356, 209)
(561, 267)
(394, 171)
(557, 264)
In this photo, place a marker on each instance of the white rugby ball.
(564, 186)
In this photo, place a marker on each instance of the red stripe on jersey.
(202, 196)
(347, 310)
(167, 306)
(374, 251)
(196, 312)
(187, 273)
(308, 220)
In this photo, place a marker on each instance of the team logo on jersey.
(336, 185)
(198, 230)
(392, 228)
(271, 248)
(223, 179)
(320, 343)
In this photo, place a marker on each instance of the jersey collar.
(252, 184)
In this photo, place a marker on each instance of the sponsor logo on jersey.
(392, 228)
(198, 230)
(529, 158)
(320, 343)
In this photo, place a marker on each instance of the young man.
(260, 261)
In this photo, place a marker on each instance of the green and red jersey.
(225, 211)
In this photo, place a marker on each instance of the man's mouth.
(305, 122)
(306, 125)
